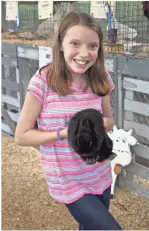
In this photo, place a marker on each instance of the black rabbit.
(88, 138)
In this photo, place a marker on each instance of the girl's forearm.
(36, 138)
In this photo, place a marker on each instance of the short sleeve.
(112, 86)
(38, 85)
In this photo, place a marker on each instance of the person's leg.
(92, 214)
(81, 227)
(105, 197)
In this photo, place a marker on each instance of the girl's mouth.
(81, 62)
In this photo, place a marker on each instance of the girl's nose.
(84, 52)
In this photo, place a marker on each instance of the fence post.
(115, 68)
(120, 120)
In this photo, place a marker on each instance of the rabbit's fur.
(88, 138)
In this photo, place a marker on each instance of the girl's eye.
(94, 46)
(75, 44)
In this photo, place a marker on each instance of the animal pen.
(125, 27)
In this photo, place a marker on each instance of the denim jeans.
(91, 212)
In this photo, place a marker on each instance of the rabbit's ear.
(87, 124)
(81, 125)
(74, 126)
(107, 145)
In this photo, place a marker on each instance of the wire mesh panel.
(28, 68)
(11, 88)
(132, 27)
(138, 117)
(125, 26)
(110, 67)
(113, 97)
(138, 112)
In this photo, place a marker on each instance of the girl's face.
(80, 48)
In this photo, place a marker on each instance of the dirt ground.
(27, 205)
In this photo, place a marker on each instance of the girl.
(75, 80)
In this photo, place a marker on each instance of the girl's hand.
(108, 123)
(64, 133)
(105, 122)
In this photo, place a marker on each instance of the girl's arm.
(26, 134)
(106, 107)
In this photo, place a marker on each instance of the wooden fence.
(130, 102)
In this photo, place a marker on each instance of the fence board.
(128, 115)
(24, 73)
(138, 170)
(21, 92)
(23, 56)
(8, 119)
(140, 129)
(9, 61)
(138, 107)
(141, 150)
(28, 53)
(133, 67)
(10, 85)
(9, 49)
(130, 176)
(14, 116)
(5, 128)
(135, 187)
(10, 100)
(136, 85)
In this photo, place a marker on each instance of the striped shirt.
(68, 176)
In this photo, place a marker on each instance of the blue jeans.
(91, 212)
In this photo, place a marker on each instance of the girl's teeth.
(81, 62)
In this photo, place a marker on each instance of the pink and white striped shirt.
(67, 175)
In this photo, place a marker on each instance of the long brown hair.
(59, 74)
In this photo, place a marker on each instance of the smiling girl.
(75, 80)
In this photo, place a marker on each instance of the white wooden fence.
(130, 102)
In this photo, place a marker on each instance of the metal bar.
(116, 87)
(120, 101)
